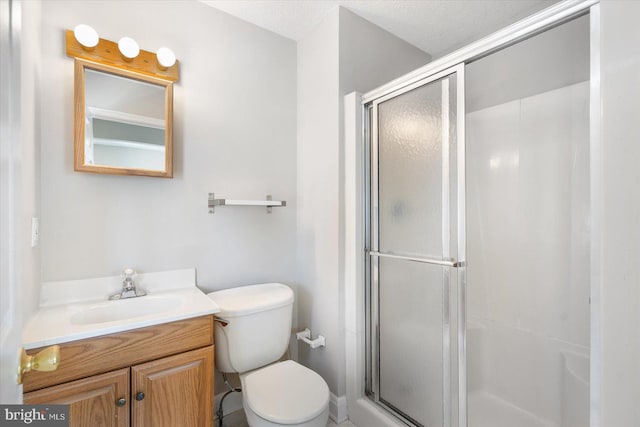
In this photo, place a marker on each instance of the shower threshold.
(488, 410)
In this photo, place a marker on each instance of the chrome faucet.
(129, 289)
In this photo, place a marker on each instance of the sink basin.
(125, 309)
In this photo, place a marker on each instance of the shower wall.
(528, 260)
(528, 232)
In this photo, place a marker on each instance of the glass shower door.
(415, 247)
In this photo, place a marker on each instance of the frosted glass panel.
(411, 339)
(528, 237)
(410, 172)
(414, 214)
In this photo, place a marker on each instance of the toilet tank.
(258, 329)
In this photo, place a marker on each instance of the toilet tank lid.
(251, 299)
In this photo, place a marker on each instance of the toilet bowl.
(285, 393)
(251, 341)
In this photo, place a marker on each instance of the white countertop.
(66, 306)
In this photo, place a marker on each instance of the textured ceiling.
(435, 26)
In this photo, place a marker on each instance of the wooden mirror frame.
(79, 119)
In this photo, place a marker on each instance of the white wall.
(234, 134)
(371, 56)
(30, 160)
(318, 207)
(342, 54)
(620, 210)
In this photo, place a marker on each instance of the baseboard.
(232, 403)
(338, 408)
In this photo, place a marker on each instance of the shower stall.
(478, 233)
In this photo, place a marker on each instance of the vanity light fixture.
(83, 43)
(128, 48)
(166, 57)
(86, 36)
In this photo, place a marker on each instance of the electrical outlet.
(35, 232)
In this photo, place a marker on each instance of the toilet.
(250, 340)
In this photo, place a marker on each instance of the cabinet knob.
(121, 402)
(139, 396)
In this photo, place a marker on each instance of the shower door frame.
(355, 282)
(453, 316)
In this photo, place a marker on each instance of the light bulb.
(166, 57)
(86, 36)
(128, 47)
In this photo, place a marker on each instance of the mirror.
(123, 121)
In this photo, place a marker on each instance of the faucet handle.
(129, 289)
(128, 274)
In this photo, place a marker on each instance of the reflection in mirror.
(125, 122)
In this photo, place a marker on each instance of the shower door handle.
(445, 263)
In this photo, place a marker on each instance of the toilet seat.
(285, 393)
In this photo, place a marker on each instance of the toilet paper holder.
(306, 337)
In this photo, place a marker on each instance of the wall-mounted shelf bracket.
(268, 203)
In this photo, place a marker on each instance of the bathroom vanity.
(119, 369)
(135, 377)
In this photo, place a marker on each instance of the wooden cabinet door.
(177, 391)
(92, 401)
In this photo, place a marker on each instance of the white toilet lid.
(285, 393)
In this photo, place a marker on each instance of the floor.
(237, 419)
(485, 410)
